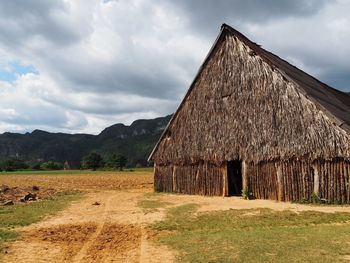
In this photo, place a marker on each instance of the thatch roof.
(334, 102)
(240, 51)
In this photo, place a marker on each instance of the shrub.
(121, 162)
(246, 194)
(116, 161)
(35, 165)
(51, 166)
(92, 161)
(12, 164)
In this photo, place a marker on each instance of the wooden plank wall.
(334, 180)
(297, 180)
(163, 178)
(200, 179)
(262, 180)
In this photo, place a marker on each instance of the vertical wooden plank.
(244, 175)
(316, 188)
(256, 174)
(336, 180)
(286, 177)
(343, 181)
(347, 176)
(321, 176)
(174, 179)
(284, 181)
(279, 181)
(329, 181)
(155, 178)
(326, 176)
(290, 180)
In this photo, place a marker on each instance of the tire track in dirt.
(143, 245)
(115, 231)
(83, 251)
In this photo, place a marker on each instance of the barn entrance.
(234, 173)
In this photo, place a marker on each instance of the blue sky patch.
(14, 69)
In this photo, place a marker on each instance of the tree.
(111, 161)
(35, 165)
(116, 161)
(92, 161)
(12, 164)
(121, 161)
(51, 166)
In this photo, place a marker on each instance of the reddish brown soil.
(18, 192)
(94, 181)
(70, 238)
(114, 240)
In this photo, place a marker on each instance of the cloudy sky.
(81, 65)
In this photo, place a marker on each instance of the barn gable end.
(241, 106)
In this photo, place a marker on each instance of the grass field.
(259, 235)
(152, 205)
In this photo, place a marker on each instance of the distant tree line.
(94, 161)
(14, 164)
(91, 161)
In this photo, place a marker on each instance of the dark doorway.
(234, 173)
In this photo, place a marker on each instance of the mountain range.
(135, 142)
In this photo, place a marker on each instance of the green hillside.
(135, 142)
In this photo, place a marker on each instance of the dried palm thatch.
(248, 104)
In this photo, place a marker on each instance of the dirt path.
(115, 229)
(89, 243)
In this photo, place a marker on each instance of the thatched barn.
(251, 121)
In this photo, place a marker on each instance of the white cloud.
(8, 114)
(318, 44)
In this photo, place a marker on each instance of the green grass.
(6, 236)
(26, 214)
(259, 235)
(152, 205)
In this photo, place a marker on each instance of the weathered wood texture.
(262, 180)
(242, 107)
(163, 178)
(334, 180)
(296, 180)
(200, 179)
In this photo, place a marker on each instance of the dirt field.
(140, 179)
(109, 224)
